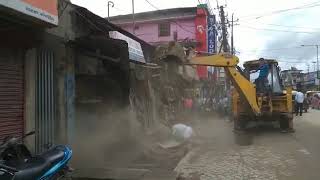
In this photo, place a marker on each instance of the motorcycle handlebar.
(12, 140)
(29, 134)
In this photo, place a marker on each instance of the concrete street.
(216, 155)
(272, 155)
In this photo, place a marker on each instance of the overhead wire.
(274, 49)
(257, 16)
(119, 9)
(155, 7)
(289, 26)
(275, 30)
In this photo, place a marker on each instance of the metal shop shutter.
(11, 94)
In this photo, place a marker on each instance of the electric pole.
(224, 31)
(314, 66)
(112, 5)
(315, 69)
(232, 43)
(232, 50)
(317, 47)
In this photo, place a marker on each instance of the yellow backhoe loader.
(274, 104)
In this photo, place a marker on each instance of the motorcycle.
(17, 162)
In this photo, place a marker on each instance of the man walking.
(299, 102)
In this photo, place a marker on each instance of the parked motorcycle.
(17, 163)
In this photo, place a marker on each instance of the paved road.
(272, 155)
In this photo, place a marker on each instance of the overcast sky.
(263, 30)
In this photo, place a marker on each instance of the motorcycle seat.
(37, 166)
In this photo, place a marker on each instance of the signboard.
(311, 82)
(134, 47)
(201, 37)
(44, 10)
(211, 34)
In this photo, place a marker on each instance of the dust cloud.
(115, 139)
(105, 137)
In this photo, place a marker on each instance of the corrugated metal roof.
(103, 26)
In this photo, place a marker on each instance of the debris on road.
(254, 162)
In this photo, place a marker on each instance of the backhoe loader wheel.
(284, 123)
(240, 123)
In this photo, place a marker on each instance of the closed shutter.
(45, 104)
(11, 94)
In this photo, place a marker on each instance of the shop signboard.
(45, 11)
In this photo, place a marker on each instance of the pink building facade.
(189, 26)
(162, 26)
(148, 31)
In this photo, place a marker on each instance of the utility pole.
(232, 50)
(314, 66)
(232, 43)
(112, 5)
(133, 21)
(317, 46)
(224, 31)
(317, 72)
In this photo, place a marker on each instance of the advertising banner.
(211, 34)
(135, 50)
(45, 11)
(201, 37)
(211, 40)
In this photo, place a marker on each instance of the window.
(164, 29)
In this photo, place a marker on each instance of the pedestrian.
(299, 98)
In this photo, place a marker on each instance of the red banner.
(201, 37)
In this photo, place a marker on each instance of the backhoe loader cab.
(273, 83)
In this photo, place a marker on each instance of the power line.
(120, 9)
(316, 28)
(273, 49)
(280, 25)
(286, 59)
(155, 7)
(276, 30)
(152, 5)
(274, 56)
(282, 11)
(257, 16)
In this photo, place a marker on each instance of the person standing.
(299, 98)
(263, 75)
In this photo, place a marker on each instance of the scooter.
(17, 162)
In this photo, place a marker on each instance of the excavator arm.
(241, 83)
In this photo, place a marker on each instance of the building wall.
(148, 31)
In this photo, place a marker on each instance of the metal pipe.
(133, 22)
(112, 5)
